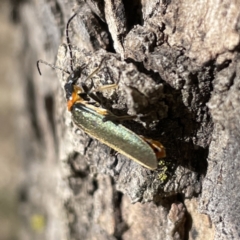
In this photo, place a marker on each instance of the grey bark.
(177, 67)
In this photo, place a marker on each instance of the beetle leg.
(99, 89)
(112, 117)
(92, 94)
(89, 90)
(86, 88)
(105, 87)
(108, 116)
(96, 70)
(101, 111)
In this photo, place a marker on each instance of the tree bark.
(177, 65)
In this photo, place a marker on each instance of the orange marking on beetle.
(157, 147)
(75, 97)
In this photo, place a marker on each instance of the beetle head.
(71, 81)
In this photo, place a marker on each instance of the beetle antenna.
(68, 39)
(69, 47)
(50, 65)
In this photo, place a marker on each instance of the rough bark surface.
(177, 68)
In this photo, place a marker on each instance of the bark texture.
(177, 68)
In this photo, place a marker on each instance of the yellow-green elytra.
(114, 135)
